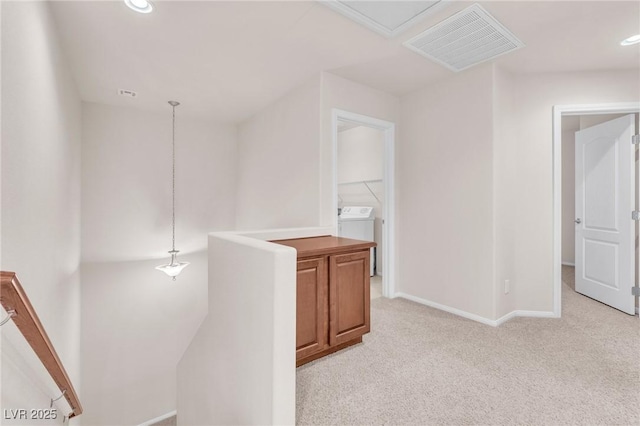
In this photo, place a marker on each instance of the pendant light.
(174, 267)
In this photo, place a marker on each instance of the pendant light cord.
(174, 267)
(173, 181)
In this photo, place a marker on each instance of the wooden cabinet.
(332, 297)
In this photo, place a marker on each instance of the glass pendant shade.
(141, 6)
(174, 268)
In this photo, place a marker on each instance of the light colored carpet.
(376, 287)
(424, 366)
(569, 276)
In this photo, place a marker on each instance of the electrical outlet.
(507, 285)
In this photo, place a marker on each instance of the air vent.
(465, 39)
(128, 93)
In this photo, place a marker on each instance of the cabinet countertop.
(327, 244)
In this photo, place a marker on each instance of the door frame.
(388, 229)
(560, 111)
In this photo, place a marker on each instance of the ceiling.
(227, 60)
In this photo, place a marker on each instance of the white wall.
(41, 116)
(505, 170)
(480, 195)
(360, 154)
(536, 95)
(293, 138)
(570, 125)
(241, 367)
(126, 182)
(278, 165)
(136, 322)
(445, 186)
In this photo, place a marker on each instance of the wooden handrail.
(13, 298)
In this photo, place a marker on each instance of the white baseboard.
(449, 309)
(159, 418)
(568, 264)
(478, 318)
(529, 314)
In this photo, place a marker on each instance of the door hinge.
(635, 291)
(635, 215)
(635, 139)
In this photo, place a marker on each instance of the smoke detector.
(468, 38)
(127, 93)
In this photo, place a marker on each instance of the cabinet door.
(311, 312)
(348, 296)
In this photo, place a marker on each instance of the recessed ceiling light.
(631, 40)
(142, 6)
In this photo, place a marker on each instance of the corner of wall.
(41, 148)
(268, 196)
(505, 174)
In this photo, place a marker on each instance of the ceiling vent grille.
(465, 39)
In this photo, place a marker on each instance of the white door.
(605, 198)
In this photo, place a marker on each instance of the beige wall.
(136, 321)
(536, 95)
(293, 138)
(278, 167)
(505, 172)
(360, 154)
(479, 196)
(445, 186)
(126, 182)
(40, 208)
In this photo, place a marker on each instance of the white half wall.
(241, 366)
(40, 206)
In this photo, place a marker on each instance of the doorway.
(363, 149)
(566, 121)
